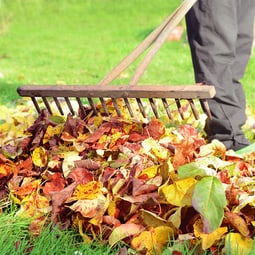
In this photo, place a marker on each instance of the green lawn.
(78, 42)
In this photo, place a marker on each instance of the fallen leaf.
(123, 231)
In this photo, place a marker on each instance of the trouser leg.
(220, 38)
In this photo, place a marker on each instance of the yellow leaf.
(112, 208)
(34, 205)
(153, 220)
(175, 217)
(104, 139)
(40, 157)
(79, 221)
(114, 138)
(51, 131)
(123, 231)
(150, 172)
(160, 153)
(153, 149)
(153, 240)
(208, 239)
(180, 192)
(237, 244)
(90, 190)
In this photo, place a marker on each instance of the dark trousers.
(220, 34)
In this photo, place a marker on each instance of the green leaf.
(204, 167)
(247, 149)
(209, 200)
(57, 119)
(190, 170)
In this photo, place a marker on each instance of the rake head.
(157, 101)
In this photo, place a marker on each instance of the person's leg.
(244, 42)
(212, 28)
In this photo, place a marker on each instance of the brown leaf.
(88, 164)
(73, 125)
(59, 197)
(238, 223)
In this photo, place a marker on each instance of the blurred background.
(80, 41)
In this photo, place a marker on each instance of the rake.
(149, 99)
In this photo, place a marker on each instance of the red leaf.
(56, 183)
(135, 137)
(81, 175)
(104, 128)
(156, 128)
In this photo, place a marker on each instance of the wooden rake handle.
(159, 36)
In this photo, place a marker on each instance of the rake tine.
(36, 104)
(104, 106)
(81, 106)
(47, 104)
(193, 108)
(69, 105)
(116, 107)
(205, 107)
(58, 105)
(179, 107)
(166, 106)
(154, 108)
(92, 104)
(129, 107)
(141, 108)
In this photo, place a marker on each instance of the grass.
(17, 240)
(75, 42)
(78, 42)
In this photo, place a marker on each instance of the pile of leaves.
(120, 180)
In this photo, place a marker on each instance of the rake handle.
(159, 36)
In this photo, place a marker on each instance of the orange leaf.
(5, 170)
(29, 185)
